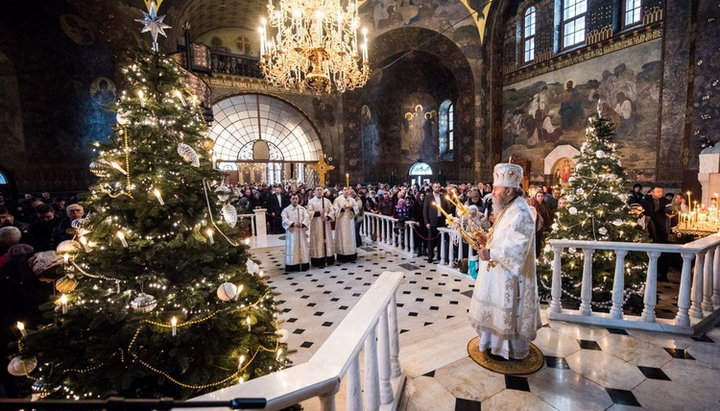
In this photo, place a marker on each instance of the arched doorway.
(420, 173)
(267, 138)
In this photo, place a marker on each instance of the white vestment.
(322, 248)
(345, 211)
(297, 254)
(505, 307)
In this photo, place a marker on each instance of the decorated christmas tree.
(596, 210)
(158, 297)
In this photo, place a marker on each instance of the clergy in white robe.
(322, 247)
(346, 208)
(504, 308)
(296, 221)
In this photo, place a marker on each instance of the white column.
(556, 288)
(460, 248)
(386, 392)
(384, 230)
(327, 401)
(410, 229)
(372, 386)
(682, 317)
(394, 340)
(353, 401)
(697, 286)
(707, 304)
(451, 249)
(618, 294)
(650, 299)
(586, 287)
(716, 278)
(443, 261)
(391, 228)
(260, 222)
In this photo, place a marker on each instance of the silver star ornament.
(154, 24)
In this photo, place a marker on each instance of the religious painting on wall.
(552, 109)
(77, 29)
(561, 172)
(103, 91)
(12, 138)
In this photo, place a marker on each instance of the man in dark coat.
(433, 218)
(276, 203)
(654, 205)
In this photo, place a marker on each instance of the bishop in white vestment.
(505, 307)
(322, 247)
(296, 221)
(346, 208)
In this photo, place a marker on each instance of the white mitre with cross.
(507, 175)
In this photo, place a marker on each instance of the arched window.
(572, 27)
(274, 173)
(3, 179)
(631, 13)
(528, 35)
(446, 126)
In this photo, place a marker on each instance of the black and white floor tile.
(588, 368)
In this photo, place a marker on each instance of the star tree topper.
(152, 22)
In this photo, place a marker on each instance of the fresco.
(552, 109)
(11, 128)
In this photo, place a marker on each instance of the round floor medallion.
(533, 362)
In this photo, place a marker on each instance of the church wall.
(233, 40)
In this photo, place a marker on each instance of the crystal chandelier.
(316, 46)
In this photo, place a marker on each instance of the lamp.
(316, 46)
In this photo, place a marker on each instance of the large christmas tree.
(157, 299)
(596, 209)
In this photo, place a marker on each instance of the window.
(446, 128)
(528, 35)
(3, 179)
(274, 173)
(631, 14)
(573, 22)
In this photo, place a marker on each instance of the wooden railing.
(371, 328)
(698, 298)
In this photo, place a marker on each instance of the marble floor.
(586, 368)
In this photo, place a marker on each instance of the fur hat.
(507, 175)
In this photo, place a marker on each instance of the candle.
(347, 179)
(510, 159)
(141, 96)
(121, 237)
(173, 323)
(209, 233)
(158, 194)
(66, 258)
(63, 303)
(21, 327)
(247, 320)
(241, 361)
(279, 353)
(689, 202)
(180, 97)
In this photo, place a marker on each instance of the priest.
(346, 208)
(504, 309)
(322, 249)
(296, 221)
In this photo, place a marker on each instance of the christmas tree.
(596, 210)
(159, 297)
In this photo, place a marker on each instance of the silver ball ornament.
(223, 192)
(602, 230)
(229, 213)
(572, 210)
(143, 303)
(227, 292)
(188, 154)
(19, 366)
(600, 154)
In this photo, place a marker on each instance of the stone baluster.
(327, 400)
(618, 295)
(372, 386)
(697, 286)
(353, 400)
(682, 317)
(386, 392)
(451, 249)
(716, 278)
(411, 238)
(443, 241)
(461, 243)
(650, 299)
(707, 304)
(394, 341)
(586, 287)
(556, 287)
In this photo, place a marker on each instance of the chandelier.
(315, 46)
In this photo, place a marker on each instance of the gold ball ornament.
(69, 247)
(208, 144)
(227, 292)
(66, 284)
(19, 366)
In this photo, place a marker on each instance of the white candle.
(210, 237)
(247, 320)
(121, 237)
(158, 194)
(241, 361)
(21, 327)
(141, 96)
(63, 303)
(66, 258)
(173, 323)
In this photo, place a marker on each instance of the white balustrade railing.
(698, 300)
(258, 221)
(371, 328)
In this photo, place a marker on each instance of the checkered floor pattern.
(588, 368)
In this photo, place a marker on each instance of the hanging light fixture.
(316, 46)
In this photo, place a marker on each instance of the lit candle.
(347, 179)
(63, 303)
(689, 202)
(510, 159)
(279, 353)
(121, 237)
(158, 194)
(241, 361)
(173, 323)
(180, 97)
(115, 165)
(210, 233)
(66, 258)
(21, 327)
(141, 96)
(247, 321)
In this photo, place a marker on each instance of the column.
(682, 317)
(372, 386)
(556, 288)
(697, 286)
(716, 278)
(386, 393)
(618, 295)
(650, 299)
(394, 340)
(353, 401)
(443, 260)
(586, 288)
(707, 304)
(411, 239)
